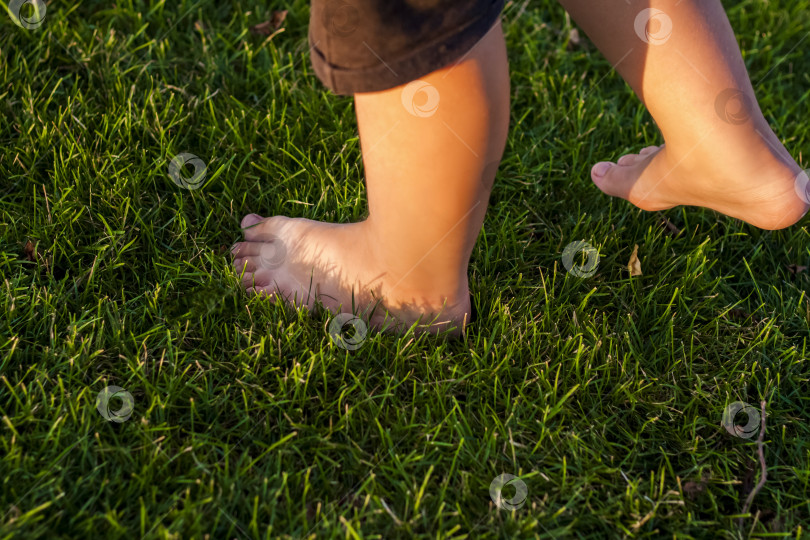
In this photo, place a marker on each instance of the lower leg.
(430, 150)
(682, 60)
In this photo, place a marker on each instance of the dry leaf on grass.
(634, 265)
(693, 489)
(278, 18)
(796, 269)
(30, 251)
(268, 27)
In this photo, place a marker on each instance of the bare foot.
(340, 266)
(754, 180)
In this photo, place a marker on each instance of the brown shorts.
(371, 45)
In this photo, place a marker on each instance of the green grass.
(604, 394)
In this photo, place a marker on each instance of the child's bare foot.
(684, 62)
(428, 174)
(745, 180)
(344, 267)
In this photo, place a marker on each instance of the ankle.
(425, 271)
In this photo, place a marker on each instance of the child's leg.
(428, 174)
(720, 152)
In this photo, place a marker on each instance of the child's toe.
(600, 169)
(249, 280)
(240, 250)
(245, 264)
(265, 229)
(649, 150)
(613, 180)
(250, 220)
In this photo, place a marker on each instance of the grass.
(603, 394)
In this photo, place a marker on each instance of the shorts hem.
(427, 59)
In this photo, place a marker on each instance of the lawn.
(604, 393)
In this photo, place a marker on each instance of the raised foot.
(758, 186)
(340, 266)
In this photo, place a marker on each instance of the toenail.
(601, 168)
(251, 220)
